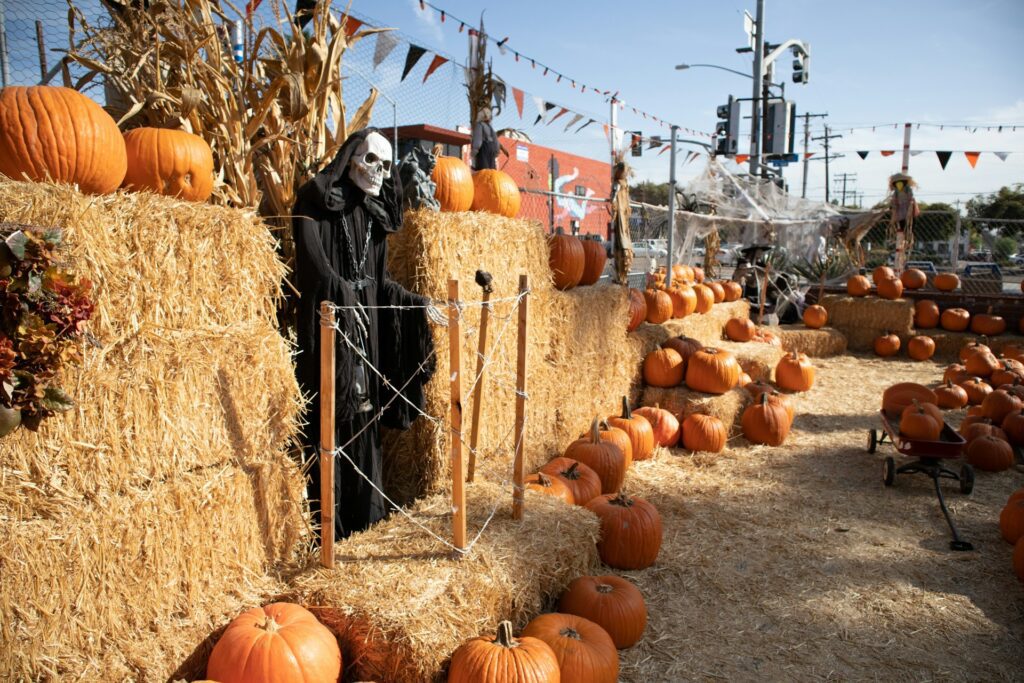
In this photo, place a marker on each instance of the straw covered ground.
(795, 563)
(578, 362)
(820, 343)
(402, 603)
(135, 520)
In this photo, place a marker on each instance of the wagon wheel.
(872, 441)
(966, 479)
(889, 471)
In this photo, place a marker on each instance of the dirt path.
(795, 563)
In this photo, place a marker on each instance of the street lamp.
(682, 67)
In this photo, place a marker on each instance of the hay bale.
(845, 312)
(681, 401)
(401, 603)
(948, 344)
(757, 359)
(820, 343)
(707, 328)
(577, 341)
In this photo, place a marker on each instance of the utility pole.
(755, 118)
(807, 138)
(844, 177)
(826, 137)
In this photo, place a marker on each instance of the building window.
(581, 191)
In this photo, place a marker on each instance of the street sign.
(750, 28)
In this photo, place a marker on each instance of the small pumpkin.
(684, 345)
(977, 389)
(955, 373)
(453, 184)
(704, 433)
(639, 430)
(663, 368)
(971, 348)
(921, 347)
(664, 424)
(882, 273)
(815, 316)
(917, 423)
(766, 421)
(594, 260)
(277, 642)
(990, 454)
(603, 457)
(637, 309)
(889, 288)
(795, 372)
(858, 285)
(611, 602)
(504, 659)
(988, 324)
(951, 396)
(946, 282)
(169, 162)
(733, 290)
(717, 289)
(659, 306)
(740, 329)
(981, 364)
(550, 486)
(1011, 521)
(955, 319)
(712, 371)
(581, 480)
(926, 314)
(897, 397)
(495, 192)
(630, 531)
(585, 652)
(705, 298)
(913, 278)
(887, 345)
(566, 259)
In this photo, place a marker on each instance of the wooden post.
(484, 280)
(455, 367)
(41, 46)
(764, 291)
(518, 471)
(326, 435)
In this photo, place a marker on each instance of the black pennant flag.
(548, 106)
(415, 52)
(862, 155)
(943, 158)
(589, 121)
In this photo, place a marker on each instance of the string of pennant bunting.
(969, 128)
(942, 155)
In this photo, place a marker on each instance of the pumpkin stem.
(604, 588)
(570, 633)
(504, 637)
(764, 398)
(626, 414)
(269, 625)
(622, 499)
(572, 472)
(595, 432)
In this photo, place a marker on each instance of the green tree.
(936, 222)
(1007, 203)
(650, 193)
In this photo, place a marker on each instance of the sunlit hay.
(821, 343)
(706, 328)
(948, 344)
(755, 358)
(861, 319)
(681, 402)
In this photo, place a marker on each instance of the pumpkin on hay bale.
(604, 457)
(169, 162)
(453, 182)
(495, 192)
(640, 432)
(566, 258)
(582, 482)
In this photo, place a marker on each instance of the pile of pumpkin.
(575, 261)
(888, 285)
(457, 188)
(1011, 526)
(689, 293)
(744, 330)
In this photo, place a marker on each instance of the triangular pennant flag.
(1002, 155)
(605, 126)
(888, 152)
(413, 56)
(548, 106)
(808, 155)
(436, 62)
(943, 158)
(563, 110)
(351, 26)
(517, 95)
(862, 155)
(541, 109)
(654, 142)
(590, 121)
(664, 149)
(575, 119)
(915, 152)
(742, 158)
(972, 158)
(386, 42)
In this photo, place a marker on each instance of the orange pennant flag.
(434, 64)
(888, 152)
(351, 26)
(972, 158)
(742, 158)
(605, 126)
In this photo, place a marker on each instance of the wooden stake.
(484, 280)
(764, 291)
(326, 435)
(455, 366)
(518, 471)
(41, 46)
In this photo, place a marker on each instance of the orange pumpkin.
(581, 480)
(951, 396)
(815, 316)
(566, 259)
(698, 274)
(585, 652)
(659, 306)
(897, 397)
(664, 424)
(977, 389)
(983, 427)
(1011, 521)
(60, 135)
(277, 642)
(684, 345)
(684, 300)
(630, 531)
(505, 659)
(795, 372)
(594, 260)
(712, 371)
(889, 288)
(733, 290)
(453, 183)
(616, 436)
(988, 324)
(921, 347)
(955, 319)
(611, 602)
(858, 285)
(981, 364)
(549, 486)
(663, 368)
(882, 273)
(705, 298)
(637, 309)
(1007, 372)
(740, 329)
(639, 430)
(169, 162)
(766, 421)
(926, 314)
(717, 289)
(971, 348)
(912, 278)
(603, 457)
(946, 282)
(917, 423)
(1013, 425)
(704, 433)
(998, 404)
(955, 373)
(495, 192)
(887, 345)
(990, 454)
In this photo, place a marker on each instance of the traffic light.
(800, 67)
(728, 129)
(780, 118)
(636, 144)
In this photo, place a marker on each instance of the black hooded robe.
(399, 343)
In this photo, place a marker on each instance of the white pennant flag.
(574, 121)
(386, 42)
(1002, 155)
(541, 109)
(915, 152)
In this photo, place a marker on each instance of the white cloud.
(429, 20)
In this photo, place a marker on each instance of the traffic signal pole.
(755, 118)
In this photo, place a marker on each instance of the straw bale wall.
(706, 328)
(861, 319)
(820, 343)
(401, 603)
(681, 401)
(948, 344)
(136, 522)
(578, 362)
(757, 359)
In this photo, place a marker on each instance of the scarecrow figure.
(904, 210)
(485, 142)
(622, 243)
(341, 221)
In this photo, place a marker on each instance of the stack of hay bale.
(861, 319)
(135, 525)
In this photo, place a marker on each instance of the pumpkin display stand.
(401, 604)
(682, 401)
(706, 328)
(861, 319)
(820, 343)
(134, 525)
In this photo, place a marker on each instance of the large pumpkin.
(659, 306)
(946, 282)
(59, 134)
(664, 424)
(278, 642)
(663, 368)
(565, 257)
(882, 273)
(603, 457)
(951, 396)
(616, 436)
(858, 285)
(585, 652)
(717, 289)
(981, 364)
(684, 300)
(998, 404)
(630, 531)
(639, 430)
(740, 329)
(611, 602)
(977, 389)
(454, 184)
(705, 298)
(1011, 521)
(921, 347)
(581, 480)
(887, 345)
(795, 372)
(990, 453)
(504, 659)
(988, 324)
(955, 319)
(712, 371)
(913, 278)
(926, 314)
(637, 309)
(889, 288)
(169, 162)
(496, 192)
(766, 421)
(704, 433)
(594, 260)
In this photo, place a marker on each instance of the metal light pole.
(755, 119)
(671, 206)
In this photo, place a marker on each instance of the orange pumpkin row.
(890, 286)
(712, 371)
(927, 316)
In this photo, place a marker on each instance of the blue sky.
(945, 62)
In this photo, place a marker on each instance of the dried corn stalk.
(273, 120)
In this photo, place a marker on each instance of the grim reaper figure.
(341, 221)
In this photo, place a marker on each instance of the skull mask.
(371, 164)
